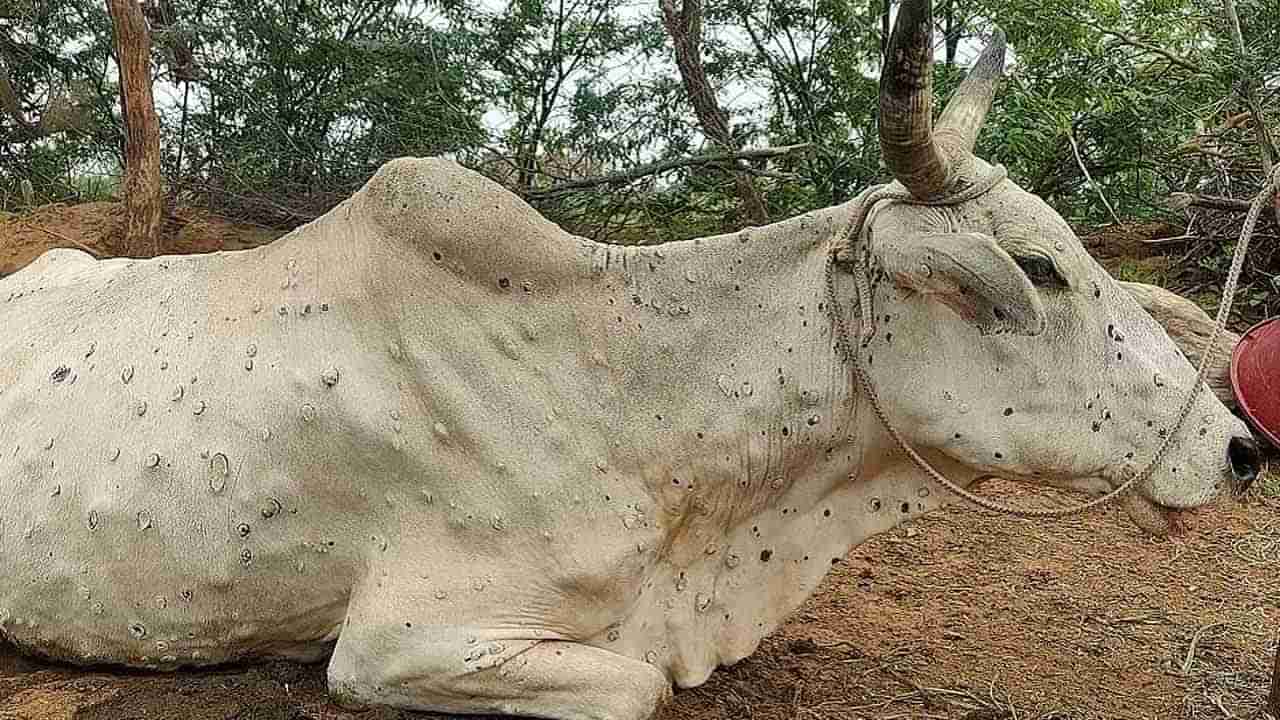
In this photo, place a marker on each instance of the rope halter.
(843, 241)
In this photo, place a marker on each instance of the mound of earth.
(1126, 241)
(96, 228)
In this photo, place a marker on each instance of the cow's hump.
(440, 206)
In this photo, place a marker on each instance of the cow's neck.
(750, 403)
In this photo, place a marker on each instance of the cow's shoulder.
(441, 208)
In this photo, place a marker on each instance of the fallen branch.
(63, 238)
(1190, 659)
(656, 168)
(1182, 201)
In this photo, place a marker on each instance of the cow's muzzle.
(1246, 462)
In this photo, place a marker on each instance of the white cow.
(488, 466)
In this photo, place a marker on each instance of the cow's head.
(999, 341)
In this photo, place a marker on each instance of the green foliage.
(1269, 484)
(52, 47)
(561, 73)
(813, 58)
(274, 110)
(94, 188)
(305, 99)
(1100, 70)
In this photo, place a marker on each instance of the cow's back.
(200, 456)
(158, 423)
(431, 386)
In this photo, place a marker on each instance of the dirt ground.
(960, 615)
(94, 227)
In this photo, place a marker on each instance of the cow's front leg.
(473, 671)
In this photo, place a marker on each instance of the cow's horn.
(907, 144)
(966, 111)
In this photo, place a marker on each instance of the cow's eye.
(1040, 270)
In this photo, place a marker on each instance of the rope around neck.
(844, 240)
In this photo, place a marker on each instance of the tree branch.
(656, 168)
(684, 25)
(1143, 45)
(60, 114)
(1071, 136)
(1266, 148)
(9, 101)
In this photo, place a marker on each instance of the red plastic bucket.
(1255, 377)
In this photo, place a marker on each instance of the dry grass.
(1269, 483)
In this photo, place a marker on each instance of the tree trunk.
(951, 30)
(685, 27)
(143, 194)
(884, 26)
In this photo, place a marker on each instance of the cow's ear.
(971, 274)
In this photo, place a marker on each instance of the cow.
(485, 466)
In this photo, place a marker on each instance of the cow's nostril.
(1246, 461)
